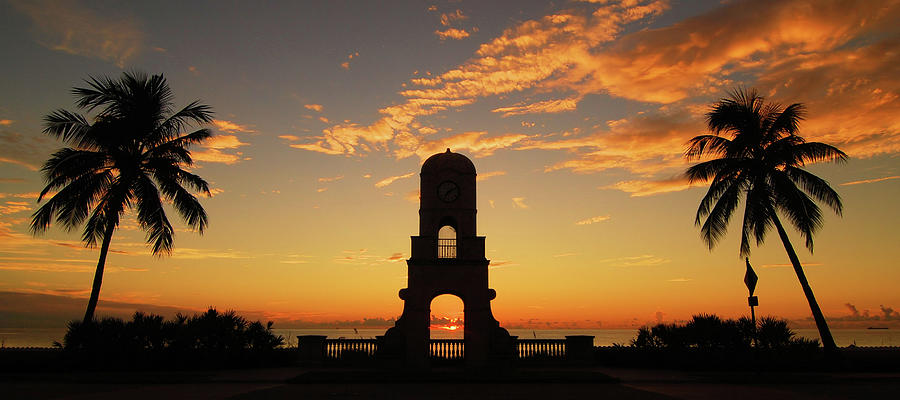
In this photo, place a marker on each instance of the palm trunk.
(821, 324)
(98, 275)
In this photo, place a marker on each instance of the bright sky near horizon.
(575, 113)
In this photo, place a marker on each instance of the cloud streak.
(231, 127)
(593, 220)
(391, 179)
(874, 180)
(220, 149)
(641, 188)
(451, 33)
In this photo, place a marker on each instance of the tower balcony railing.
(446, 248)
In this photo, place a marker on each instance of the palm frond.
(813, 152)
(101, 92)
(70, 206)
(185, 203)
(152, 216)
(193, 113)
(802, 211)
(177, 147)
(757, 216)
(107, 213)
(70, 128)
(716, 223)
(817, 187)
(737, 113)
(717, 187)
(706, 144)
(718, 168)
(787, 121)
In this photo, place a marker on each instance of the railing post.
(580, 349)
(311, 348)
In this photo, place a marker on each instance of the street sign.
(750, 278)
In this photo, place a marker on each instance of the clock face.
(448, 191)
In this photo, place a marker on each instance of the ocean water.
(602, 337)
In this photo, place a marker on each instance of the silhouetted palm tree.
(762, 161)
(131, 156)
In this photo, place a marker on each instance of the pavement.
(550, 384)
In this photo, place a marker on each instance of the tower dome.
(448, 161)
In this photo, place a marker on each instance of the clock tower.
(447, 257)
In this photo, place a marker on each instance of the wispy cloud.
(198, 254)
(646, 260)
(12, 207)
(25, 164)
(73, 28)
(364, 257)
(396, 257)
(519, 202)
(644, 144)
(6, 122)
(64, 267)
(809, 264)
(448, 19)
(859, 182)
(351, 56)
(330, 178)
(501, 264)
(564, 255)
(487, 175)
(451, 33)
(478, 143)
(593, 220)
(26, 195)
(313, 107)
(391, 179)
(548, 106)
(639, 188)
(213, 192)
(231, 127)
(213, 150)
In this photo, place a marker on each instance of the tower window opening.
(447, 242)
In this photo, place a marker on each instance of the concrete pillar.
(580, 350)
(312, 349)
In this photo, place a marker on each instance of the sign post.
(750, 280)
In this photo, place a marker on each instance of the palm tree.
(762, 161)
(131, 156)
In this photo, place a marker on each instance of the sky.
(575, 114)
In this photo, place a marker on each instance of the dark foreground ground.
(550, 384)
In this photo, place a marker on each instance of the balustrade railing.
(338, 349)
(446, 248)
(451, 349)
(541, 348)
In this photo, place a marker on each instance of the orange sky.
(576, 115)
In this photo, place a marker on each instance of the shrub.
(210, 337)
(709, 332)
